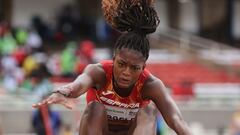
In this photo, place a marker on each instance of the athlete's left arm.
(155, 90)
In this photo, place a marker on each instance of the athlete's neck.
(123, 92)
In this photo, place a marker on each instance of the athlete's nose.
(127, 71)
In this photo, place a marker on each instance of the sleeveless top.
(120, 110)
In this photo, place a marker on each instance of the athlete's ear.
(114, 57)
(144, 66)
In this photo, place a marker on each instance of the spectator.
(34, 41)
(54, 64)
(40, 81)
(85, 55)
(29, 64)
(103, 30)
(7, 44)
(41, 28)
(46, 121)
(68, 60)
(19, 55)
(21, 36)
(12, 74)
(4, 27)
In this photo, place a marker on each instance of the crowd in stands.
(31, 60)
(29, 64)
(23, 57)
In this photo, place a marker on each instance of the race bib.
(116, 113)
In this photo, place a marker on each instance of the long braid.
(135, 19)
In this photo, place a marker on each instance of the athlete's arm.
(155, 90)
(93, 75)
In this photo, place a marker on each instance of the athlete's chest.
(119, 109)
(110, 97)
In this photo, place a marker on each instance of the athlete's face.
(127, 66)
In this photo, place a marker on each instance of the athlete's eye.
(135, 68)
(120, 64)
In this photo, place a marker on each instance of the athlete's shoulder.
(97, 67)
(95, 70)
(152, 81)
(152, 85)
(97, 73)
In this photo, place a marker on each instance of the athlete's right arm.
(93, 75)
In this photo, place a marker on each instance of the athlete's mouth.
(124, 81)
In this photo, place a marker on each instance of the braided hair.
(135, 19)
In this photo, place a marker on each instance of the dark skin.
(127, 67)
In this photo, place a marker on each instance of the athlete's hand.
(56, 98)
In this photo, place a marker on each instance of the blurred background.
(44, 44)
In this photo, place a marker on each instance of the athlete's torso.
(120, 110)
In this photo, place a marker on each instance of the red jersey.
(119, 109)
